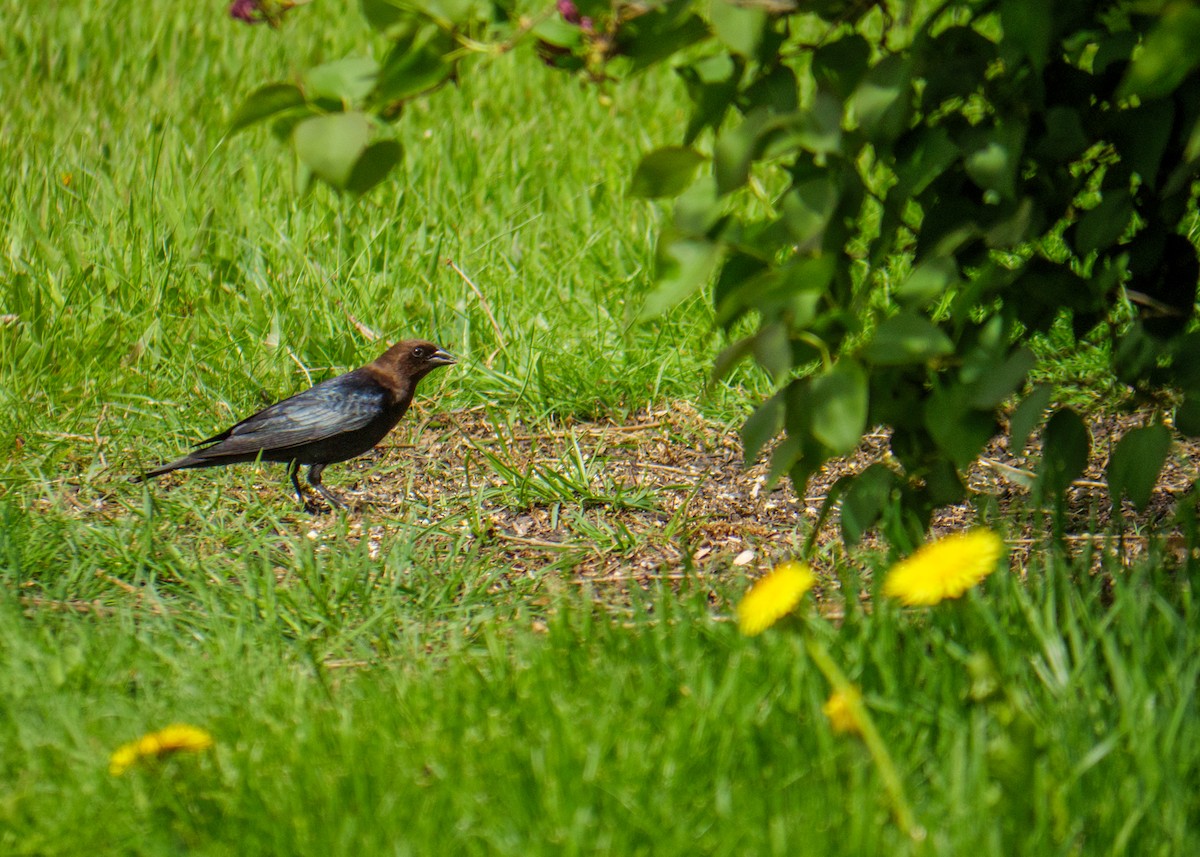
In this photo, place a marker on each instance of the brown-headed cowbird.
(334, 421)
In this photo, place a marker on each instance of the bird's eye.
(420, 352)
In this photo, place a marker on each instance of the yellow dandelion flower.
(178, 737)
(842, 709)
(773, 597)
(945, 568)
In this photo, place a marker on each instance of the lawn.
(522, 638)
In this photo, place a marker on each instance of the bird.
(335, 420)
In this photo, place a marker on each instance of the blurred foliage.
(896, 196)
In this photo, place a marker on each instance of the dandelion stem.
(871, 737)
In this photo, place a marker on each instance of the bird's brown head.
(414, 359)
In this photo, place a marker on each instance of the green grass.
(387, 683)
(360, 705)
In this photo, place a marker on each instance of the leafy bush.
(891, 206)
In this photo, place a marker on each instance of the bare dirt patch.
(667, 493)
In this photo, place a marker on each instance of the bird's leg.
(314, 479)
(293, 474)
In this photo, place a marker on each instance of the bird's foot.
(332, 503)
(335, 502)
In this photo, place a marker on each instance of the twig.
(303, 368)
(539, 543)
(366, 332)
(482, 302)
(1081, 537)
(136, 591)
(65, 606)
(1006, 469)
(62, 435)
(116, 581)
(666, 468)
(561, 435)
(347, 663)
(625, 578)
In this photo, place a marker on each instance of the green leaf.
(1028, 24)
(1065, 449)
(1136, 463)
(739, 271)
(683, 267)
(993, 162)
(786, 457)
(735, 150)
(1169, 54)
(865, 499)
(1185, 362)
(459, 12)
(959, 430)
(1065, 138)
(1012, 225)
(1114, 49)
(1043, 289)
(412, 67)
(928, 280)
(265, 102)
(1141, 136)
(883, 99)
(660, 33)
(712, 85)
(697, 209)
(1187, 415)
(555, 31)
(665, 172)
(1191, 151)
(373, 165)
(839, 66)
(819, 128)
(346, 80)
(773, 349)
(1135, 354)
(719, 68)
(907, 338)
(739, 27)
(956, 66)
(285, 123)
(838, 402)
(807, 209)
(731, 357)
(1026, 416)
(996, 386)
(777, 90)
(1183, 172)
(795, 290)
(330, 145)
(921, 157)
(761, 426)
(382, 14)
(1100, 228)
(948, 224)
(943, 487)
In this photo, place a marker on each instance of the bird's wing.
(343, 404)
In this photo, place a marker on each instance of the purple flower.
(569, 11)
(249, 11)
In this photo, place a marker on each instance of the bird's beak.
(441, 358)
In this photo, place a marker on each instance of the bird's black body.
(335, 420)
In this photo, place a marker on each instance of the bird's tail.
(162, 469)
